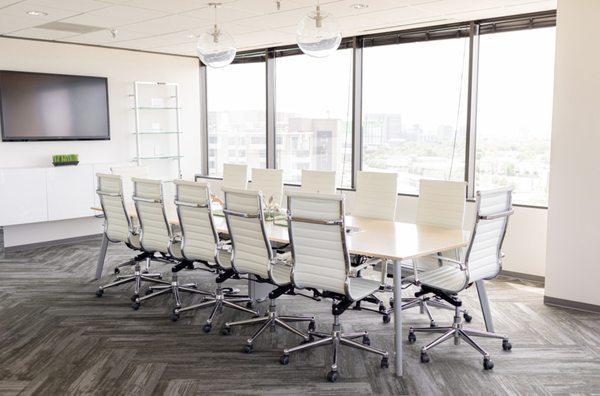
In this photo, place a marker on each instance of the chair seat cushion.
(448, 278)
(360, 288)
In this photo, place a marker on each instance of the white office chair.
(253, 255)
(157, 237)
(483, 260)
(318, 182)
(440, 204)
(200, 242)
(128, 172)
(375, 197)
(119, 228)
(270, 183)
(321, 262)
(235, 176)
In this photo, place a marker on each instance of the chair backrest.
(318, 241)
(269, 182)
(149, 203)
(244, 213)
(441, 203)
(319, 182)
(127, 173)
(117, 224)
(483, 256)
(235, 176)
(199, 236)
(376, 195)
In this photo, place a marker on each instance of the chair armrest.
(370, 262)
(453, 261)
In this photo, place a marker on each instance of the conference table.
(387, 240)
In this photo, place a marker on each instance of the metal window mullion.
(357, 85)
(471, 138)
(203, 119)
(271, 140)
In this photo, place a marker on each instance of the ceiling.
(171, 26)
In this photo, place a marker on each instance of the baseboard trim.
(64, 241)
(580, 306)
(520, 275)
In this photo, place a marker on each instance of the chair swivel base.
(458, 333)
(271, 320)
(222, 297)
(337, 338)
(424, 303)
(138, 277)
(386, 313)
(172, 287)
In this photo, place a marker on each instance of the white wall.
(122, 68)
(573, 264)
(525, 243)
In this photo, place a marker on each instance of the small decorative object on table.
(65, 159)
(272, 210)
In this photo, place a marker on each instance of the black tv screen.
(40, 106)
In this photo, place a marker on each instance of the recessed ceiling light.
(37, 13)
(359, 6)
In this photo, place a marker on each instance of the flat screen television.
(41, 106)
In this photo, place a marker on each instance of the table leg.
(485, 306)
(101, 257)
(398, 317)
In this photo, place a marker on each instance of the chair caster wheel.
(506, 345)
(424, 357)
(149, 291)
(411, 337)
(382, 308)
(248, 348)
(284, 360)
(392, 303)
(311, 326)
(305, 341)
(468, 318)
(207, 328)
(99, 293)
(226, 331)
(175, 316)
(385, 363)
(332, 376)
(250, 305)
(135, 297)
(366, 340)
(135, 306)
(117, 271)
(160, 277)
(387, 318)
(488, 364)
(432, 324)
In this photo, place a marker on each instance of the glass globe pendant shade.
(318, 34)
(216, 47)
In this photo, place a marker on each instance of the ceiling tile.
(9, 23)
(71, 5)
(115, 16)
(168, 24)
(105, 37)
(44, 34)
(21, 9)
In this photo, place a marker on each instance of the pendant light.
(215, 46)
(318, 33)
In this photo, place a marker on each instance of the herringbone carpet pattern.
(57, 337)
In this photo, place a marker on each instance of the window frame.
(471, 29)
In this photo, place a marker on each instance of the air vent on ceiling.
(396, 27)
(70, 27)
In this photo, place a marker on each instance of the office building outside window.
(414, 110)
(314, 115)
(514, 113)
(236, 116)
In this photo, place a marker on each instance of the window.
(314, 115)
(514, 113)
(236, 116)
(414, 110)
